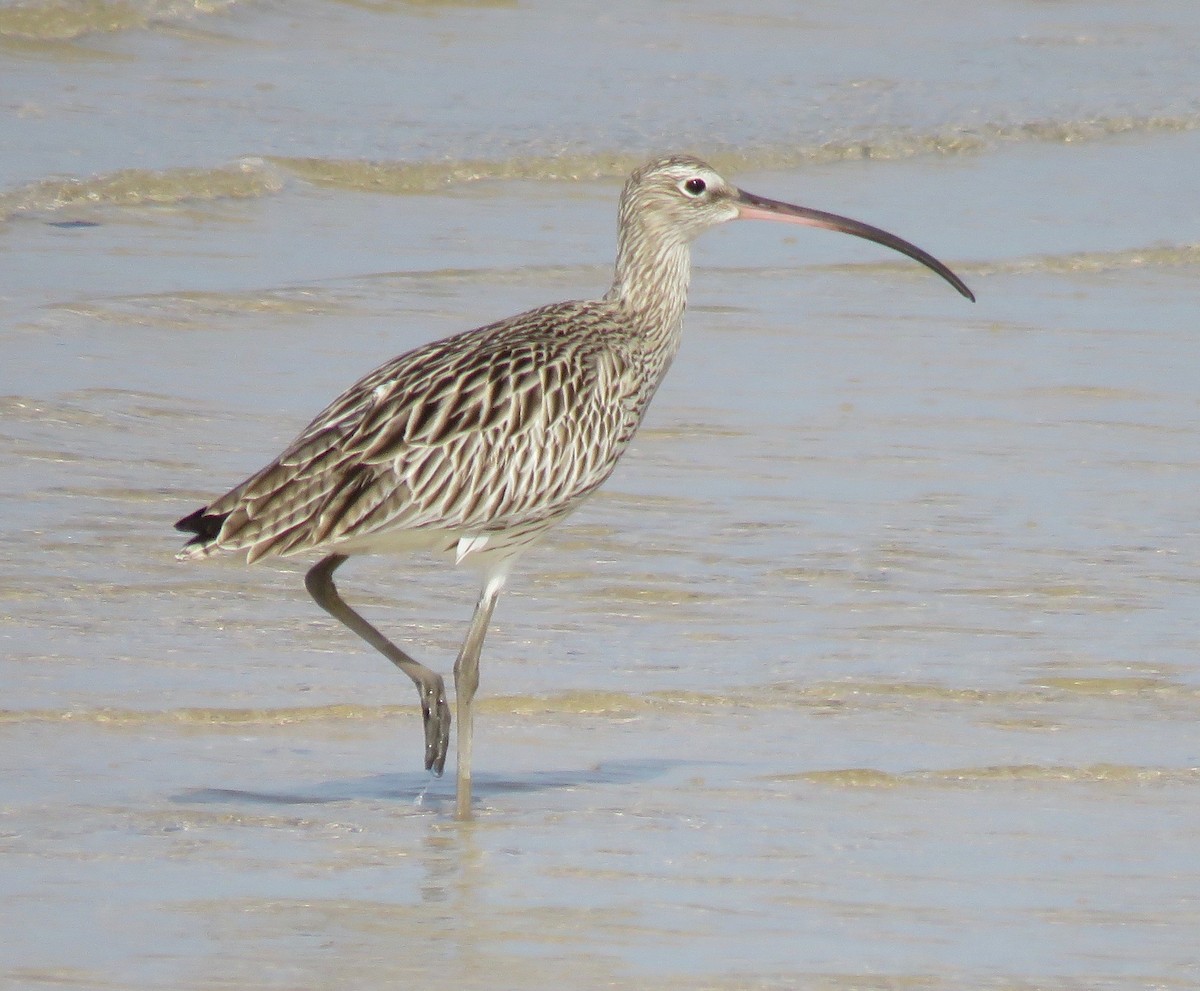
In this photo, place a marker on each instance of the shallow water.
(875, 664)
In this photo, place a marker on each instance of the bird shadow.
(427, 793)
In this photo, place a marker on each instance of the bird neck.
(651, 284)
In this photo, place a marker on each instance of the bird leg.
(466, 681)
(430, 686)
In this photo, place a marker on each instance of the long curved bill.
(751, 207)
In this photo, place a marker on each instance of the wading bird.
(477, 444)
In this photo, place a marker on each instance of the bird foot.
(436, 713)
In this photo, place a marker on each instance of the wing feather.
(499, 427)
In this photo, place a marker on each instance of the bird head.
(673, 200)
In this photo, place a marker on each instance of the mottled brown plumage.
(479, 443)
(507, 426)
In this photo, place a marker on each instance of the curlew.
(477, 444)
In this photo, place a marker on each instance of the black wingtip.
(206, 527)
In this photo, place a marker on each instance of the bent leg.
(430, 686)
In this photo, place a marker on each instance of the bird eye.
(694, 187)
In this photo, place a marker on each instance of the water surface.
(874, 666)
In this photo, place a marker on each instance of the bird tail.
(207, 528)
